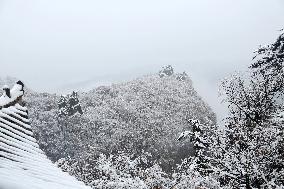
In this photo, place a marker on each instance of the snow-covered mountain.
(22, 164)
(145, 114)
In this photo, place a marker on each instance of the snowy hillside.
(22, 164)
(145, 114)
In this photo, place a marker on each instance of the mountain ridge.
(144, 114)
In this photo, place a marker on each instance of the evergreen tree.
(62, 106)
(200, 142)
(196, 171)
(69, 105)
(166, 71)
(74, 104)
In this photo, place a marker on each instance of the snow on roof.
(16, 92)
(22, 164)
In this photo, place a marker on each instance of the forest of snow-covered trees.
(146, 114)
(156, 132)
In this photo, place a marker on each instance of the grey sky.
(58, 45)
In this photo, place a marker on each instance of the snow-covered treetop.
(11, 96)
(270, 57)
(166, 71)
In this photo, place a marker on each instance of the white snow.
(22, 164)
(184, 134)
(16, 92)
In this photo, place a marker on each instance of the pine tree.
(200, 143)
(196, 171)
(74, 104)
(69, 105)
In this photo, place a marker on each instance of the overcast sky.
(58, 45)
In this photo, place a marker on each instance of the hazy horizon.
(56, 45)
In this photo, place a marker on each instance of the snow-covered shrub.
(155, 177)
(118, 171)
(189, 178)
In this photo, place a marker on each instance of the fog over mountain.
(58, 46)
(120, 94)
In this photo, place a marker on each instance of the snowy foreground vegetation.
(156, 132)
